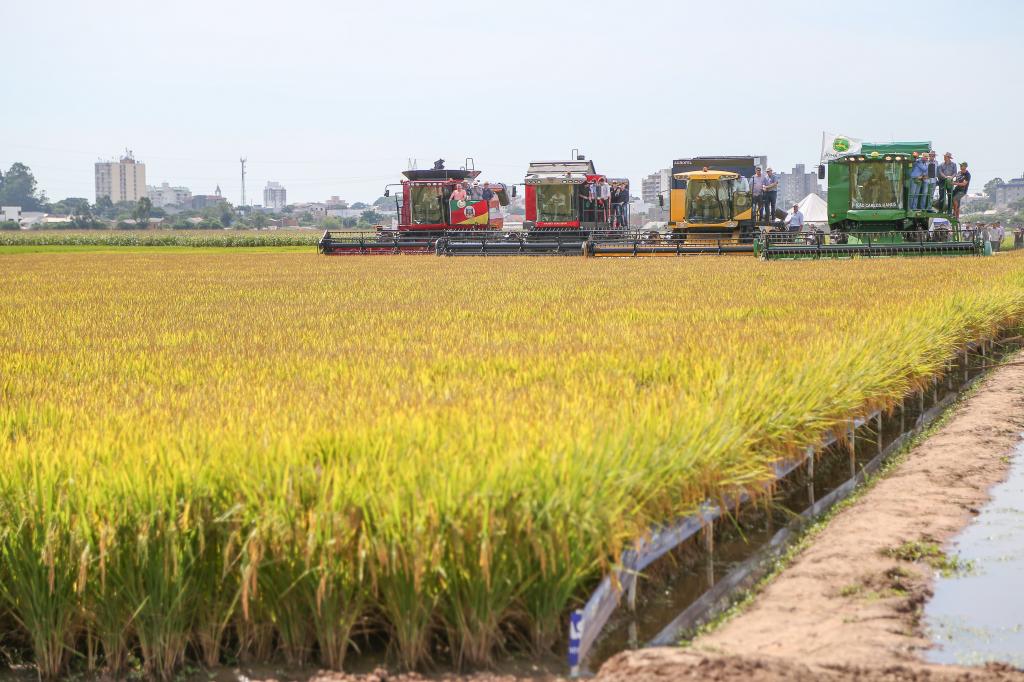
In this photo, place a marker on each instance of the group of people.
(605, 201)
(994, 233)
(476, 192)
(764, 191)
(927, 174)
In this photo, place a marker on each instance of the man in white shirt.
(795, 220)
(757, 195)
(604, 193)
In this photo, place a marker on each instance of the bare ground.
(845, 608)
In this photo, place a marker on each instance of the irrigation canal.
(704, 575)
(977, 616)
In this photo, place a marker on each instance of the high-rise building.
(275, 197)
(123, 180)
(658, 182)
(165, 195)
(796, 185)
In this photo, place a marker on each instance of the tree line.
(18, 187)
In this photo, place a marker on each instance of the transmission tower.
(243, 180)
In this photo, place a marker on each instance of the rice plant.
(207, 457)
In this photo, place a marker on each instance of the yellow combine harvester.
(710, 212)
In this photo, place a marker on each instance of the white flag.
(833, 145)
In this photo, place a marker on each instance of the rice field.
(160, 238)
(264, 457)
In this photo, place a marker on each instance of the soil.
(846, 607)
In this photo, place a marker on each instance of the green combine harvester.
(869, 214)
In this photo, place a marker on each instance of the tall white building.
(658, 182)
(123, 180)
(165, 195)
(275, 197)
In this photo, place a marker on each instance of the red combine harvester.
(564, 197)
(427, 212)
(564, 209)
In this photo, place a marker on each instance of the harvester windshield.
(556, 203)
(876, 184)
(709, 201)
(426, 205)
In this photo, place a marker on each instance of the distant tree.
(226, 216)
(371, 218)
(82, 217)
(258, 220)
(332, 223)
(142, 212)
(384, 202)
(104, 207)
(18, 188)
(9, 225)
(991, 185)
(360, 205)
(68, 206)
(350, 222)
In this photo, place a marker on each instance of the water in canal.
(978, 616)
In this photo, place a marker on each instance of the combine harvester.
(427, 213)
(560, 215)
(869, 214)
(710, 212)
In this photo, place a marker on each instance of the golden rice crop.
(262, 455)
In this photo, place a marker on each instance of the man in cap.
(961, 183)
(771, 192)
(795, 220)
(918, 183)
(946, 171)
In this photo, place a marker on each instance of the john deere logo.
(841, 144)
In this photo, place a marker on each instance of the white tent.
(815, 211)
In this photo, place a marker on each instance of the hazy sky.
(334, 97)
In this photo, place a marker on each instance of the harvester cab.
(876, 208)
(711, 200)
(427, 211)
(565, 197)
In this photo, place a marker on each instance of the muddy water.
(978, 616)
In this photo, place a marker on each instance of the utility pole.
(242, 160)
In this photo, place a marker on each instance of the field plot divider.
(587, 623)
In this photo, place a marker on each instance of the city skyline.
(334, 99)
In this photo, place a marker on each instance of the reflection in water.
(979, 617)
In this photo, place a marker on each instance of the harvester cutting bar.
(519, 246)
(866, 245)
(528, 243)
(349, 244)
(656, 245)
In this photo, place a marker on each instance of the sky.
(335, 97)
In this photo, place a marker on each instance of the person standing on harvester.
(771, 192)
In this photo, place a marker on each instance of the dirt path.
(845, 608)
